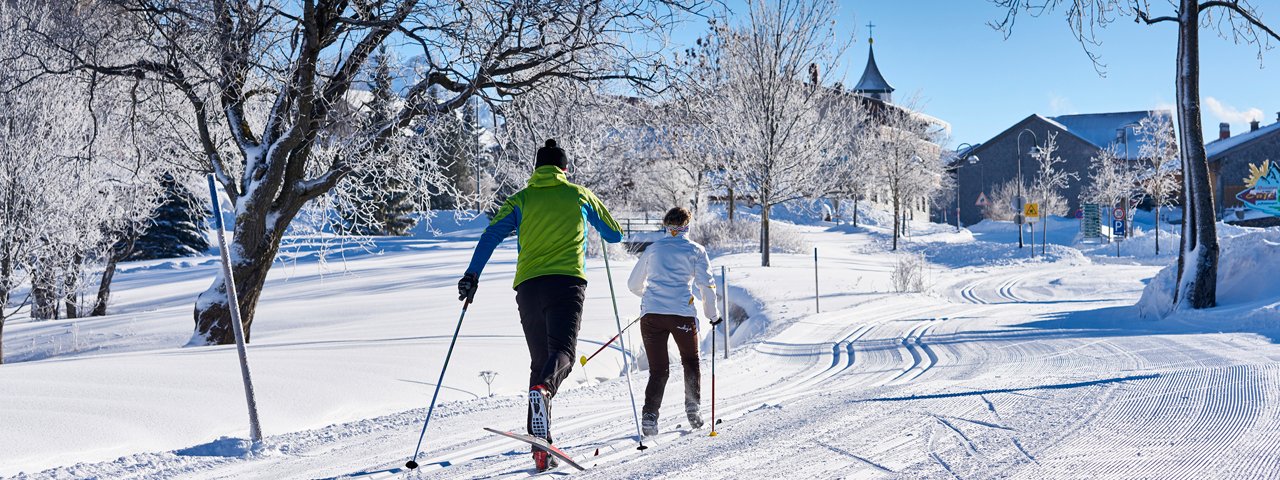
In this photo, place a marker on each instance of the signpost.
(1117, 226)
(1091, 221)
(1032, 212)
(982, 200)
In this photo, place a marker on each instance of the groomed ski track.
(1038, 370)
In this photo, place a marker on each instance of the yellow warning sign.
(1031, 211)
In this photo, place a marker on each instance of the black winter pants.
(551, 312)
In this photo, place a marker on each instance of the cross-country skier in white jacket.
(672, 273)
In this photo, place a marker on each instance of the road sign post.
(1118, 226)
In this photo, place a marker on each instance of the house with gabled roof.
(1079, 138)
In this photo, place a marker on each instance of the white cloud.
(1229, 114)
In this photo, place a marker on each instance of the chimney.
(813, 74)
(1224, 131)
(1253, 126)
(1277, 117)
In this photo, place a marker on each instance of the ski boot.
(540, 425)
(649, 424)
(695, 418)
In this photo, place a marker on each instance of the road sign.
(982, 200)
(1117, 228)
(1117, 214)
(1032, 212)
(1091, 221)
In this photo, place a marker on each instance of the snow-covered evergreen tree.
(177, 229)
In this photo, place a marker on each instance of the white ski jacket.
(670, 274)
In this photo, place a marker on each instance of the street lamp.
(1018, 215)
(972, 159)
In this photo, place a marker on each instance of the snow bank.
(1246, 297)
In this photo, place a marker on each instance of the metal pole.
(604, 248)
(233, 305)
(713, 378)
(725, 275)
(817, 307)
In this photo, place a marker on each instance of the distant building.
(876, 96)
(1230, 159)
(1079, 138)
(872, 84)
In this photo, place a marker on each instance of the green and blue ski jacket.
(550, 218)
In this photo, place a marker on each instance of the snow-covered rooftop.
(1101, 129)
(1218, 147)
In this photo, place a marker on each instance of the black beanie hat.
(552, 155)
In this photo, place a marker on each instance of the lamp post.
(1122, 134)
(972, 159)
(1018, 214)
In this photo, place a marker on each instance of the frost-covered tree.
(377, 204)
(598, 128)
(263, 83)
(1160, 148)
(908, 162)
(1238, 20)
(1048, 182)
(777, 126)
(1114, 180)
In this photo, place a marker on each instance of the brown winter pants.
(654, 330)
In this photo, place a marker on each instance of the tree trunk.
(44, 301)
(855, 211)
(109, 274)
(1157, 230)
(1, 340)
(104, 288)
(1198, 260)
(764, 234)
(71, 286)
(252, 250)
(731, 202)
(897, 219)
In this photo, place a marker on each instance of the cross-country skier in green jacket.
(550, 217)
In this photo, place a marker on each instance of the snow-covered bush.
(742, 235)
(908, 274)
(1246, 262)
(1000, 207)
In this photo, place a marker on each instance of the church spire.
(873, 84)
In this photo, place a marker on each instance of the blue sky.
(967, 74)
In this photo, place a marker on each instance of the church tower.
(873, 84)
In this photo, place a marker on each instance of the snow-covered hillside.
(1005, 366)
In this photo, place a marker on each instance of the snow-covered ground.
(1006, 366)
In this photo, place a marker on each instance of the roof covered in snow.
(872, 81)
(1218, 147)
(1103, 129)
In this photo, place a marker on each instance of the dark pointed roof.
(872, 81)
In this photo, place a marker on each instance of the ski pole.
(627, 367)
(713, 380)
(584, 359)
(412, 464)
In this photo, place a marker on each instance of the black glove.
(716, 322)
(467, 286)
